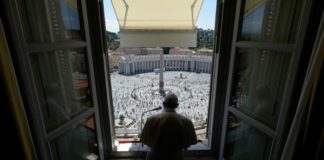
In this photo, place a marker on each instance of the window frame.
(213, 122)
(22, 51)
(295, 49)
(94, 42)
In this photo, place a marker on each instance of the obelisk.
(161, 82)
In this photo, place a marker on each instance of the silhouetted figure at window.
(168, 133)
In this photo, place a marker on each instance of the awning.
(157, 17)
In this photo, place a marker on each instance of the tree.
(205, 38)
(112, 40)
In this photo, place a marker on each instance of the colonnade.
(132, 64)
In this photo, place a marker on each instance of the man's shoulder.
(165, 114)
(153, 117)
(184, 119)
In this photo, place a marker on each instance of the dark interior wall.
(312, 146)
(10, 143)
(11, 147)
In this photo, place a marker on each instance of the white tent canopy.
(176, 18)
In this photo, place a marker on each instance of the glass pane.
(62, 77)
(245, 142)
(271, 20)
(50, 20)
(79, 142)
(259, 79)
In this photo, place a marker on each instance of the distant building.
(134, 64)
(139, 51)
(181, 51)
(138, 60)
(113, 59)
(114, 56)
(205, 51)
(151, 51)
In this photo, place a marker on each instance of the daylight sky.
(206, 19)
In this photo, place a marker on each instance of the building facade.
(135, 64)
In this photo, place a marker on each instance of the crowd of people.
(133, 95)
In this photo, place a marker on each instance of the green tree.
(205, 38)
(112, 40)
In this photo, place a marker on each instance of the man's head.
(170, 101)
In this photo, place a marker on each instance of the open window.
(263, 69)
(87, 92)
(54, 60)
(155, 48)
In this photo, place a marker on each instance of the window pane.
(79, 142)
(271, 20)
(245, 142)
(260, 77)
(62, 77)
(51, 20)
